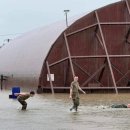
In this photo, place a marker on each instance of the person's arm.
(71, 90)
(81, 90)
(18, 94)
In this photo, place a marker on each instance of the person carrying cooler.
(74, 93)
(21, 97)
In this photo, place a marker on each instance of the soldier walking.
(74, 93)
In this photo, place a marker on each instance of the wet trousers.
(24, 104)
(75, 103)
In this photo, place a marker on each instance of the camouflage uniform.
(75, 94)
(21, 99)
(119, 106)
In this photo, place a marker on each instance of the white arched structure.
(22, 58)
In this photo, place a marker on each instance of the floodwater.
(51, 112)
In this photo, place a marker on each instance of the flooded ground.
(48, 112)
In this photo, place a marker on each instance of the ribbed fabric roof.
(25, 54)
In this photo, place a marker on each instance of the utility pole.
(66, 14)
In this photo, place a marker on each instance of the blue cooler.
(14, 90)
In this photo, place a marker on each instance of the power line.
(10, 34)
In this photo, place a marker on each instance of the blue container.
(14, 90)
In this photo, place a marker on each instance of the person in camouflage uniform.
(21, 97)
(120, 106)
(74, 93)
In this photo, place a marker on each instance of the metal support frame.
(88, 88)
(93, 25)
(128, 7)
(99, 40)
(114, 23)
(93, 75)
(108, 59)
(66, 73)
(101, 56)
(102, 71)
(92, 56)
(127, 36)
(78, 66)
(80, 30)
(57, 62)
(49, 74)
(124, 75)
(69, 55)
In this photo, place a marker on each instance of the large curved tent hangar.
(95, 47)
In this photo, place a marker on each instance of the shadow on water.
(51, 112)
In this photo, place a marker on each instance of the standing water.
(51, 112)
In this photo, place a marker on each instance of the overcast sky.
(19, 16)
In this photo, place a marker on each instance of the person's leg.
(24, 104)
(73, 107)
(76, 104)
